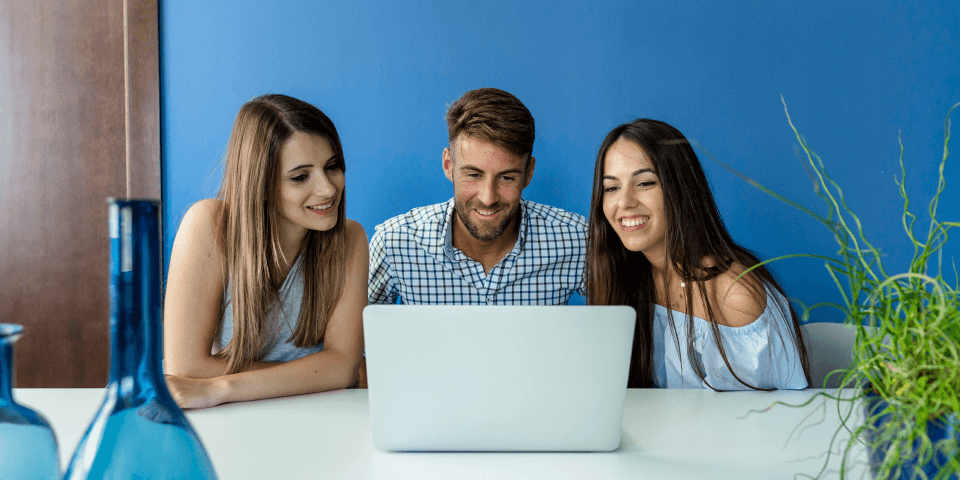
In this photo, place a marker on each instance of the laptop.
(497, 378)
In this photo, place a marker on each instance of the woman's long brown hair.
(694, 232)
(248, 230)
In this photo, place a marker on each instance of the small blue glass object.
(139, 432)
(28, 447)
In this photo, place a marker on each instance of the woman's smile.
(323, 209)
(634, 223)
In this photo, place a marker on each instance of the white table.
(667, 434)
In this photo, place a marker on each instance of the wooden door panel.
(62, 153)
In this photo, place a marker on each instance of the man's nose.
(487, 193)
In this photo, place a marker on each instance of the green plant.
(907, 329)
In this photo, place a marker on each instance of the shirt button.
(489, 299)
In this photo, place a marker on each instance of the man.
(486, 245)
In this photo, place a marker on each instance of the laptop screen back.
(497, 378)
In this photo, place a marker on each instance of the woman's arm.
(193, 297)
(334, 367)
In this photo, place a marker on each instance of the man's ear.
(529, 173)
(447, 164)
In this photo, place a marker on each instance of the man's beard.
(484, 233)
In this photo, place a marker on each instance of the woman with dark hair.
(267, 281)
(657, 243)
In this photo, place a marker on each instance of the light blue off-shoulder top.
(762, 353)
(281, 323)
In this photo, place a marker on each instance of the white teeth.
(633, 222)
(481, 212)
(321, 207)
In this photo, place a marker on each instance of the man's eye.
(508, 179)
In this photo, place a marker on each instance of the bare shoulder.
(195, 241)
(358, 249)
(355, 232)
(740, 299)
(200, 217)
(206, 208)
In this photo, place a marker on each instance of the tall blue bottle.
(28, 447)
(139, 432)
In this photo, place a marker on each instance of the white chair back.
(829, 347)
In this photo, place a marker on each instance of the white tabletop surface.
(667, 434)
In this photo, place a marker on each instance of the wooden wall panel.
(144, 78)
(62, 153)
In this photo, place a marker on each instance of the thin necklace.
(679, 294)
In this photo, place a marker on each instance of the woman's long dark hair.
(694, 232)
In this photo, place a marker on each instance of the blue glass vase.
(943, 432)
(139, 432)
(28, 447)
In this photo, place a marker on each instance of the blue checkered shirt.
(412, 257)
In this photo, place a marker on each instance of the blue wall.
(852, 76)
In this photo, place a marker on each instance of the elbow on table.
(347, 373)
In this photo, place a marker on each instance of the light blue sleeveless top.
(762, 353)
(280, 323)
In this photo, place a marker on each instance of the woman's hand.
(195, 392)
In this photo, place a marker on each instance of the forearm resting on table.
(321, 371)
(207, 367)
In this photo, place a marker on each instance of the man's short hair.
(495, 116)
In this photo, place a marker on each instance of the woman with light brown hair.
(267, 281)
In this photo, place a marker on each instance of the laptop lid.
(497, 378)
